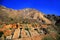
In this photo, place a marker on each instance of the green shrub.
(48, 38)
(58, 37)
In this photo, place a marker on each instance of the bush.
(48, 38)
(1, 33)
(57, 37)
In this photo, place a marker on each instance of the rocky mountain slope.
(25, 13)
(55, 20)
(26, 24)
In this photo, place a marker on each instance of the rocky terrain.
(28, 24)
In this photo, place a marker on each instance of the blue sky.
(45, 6)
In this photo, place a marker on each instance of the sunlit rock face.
(24, 24)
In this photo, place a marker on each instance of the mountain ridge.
(26, 13)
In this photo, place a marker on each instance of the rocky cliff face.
(25, 24)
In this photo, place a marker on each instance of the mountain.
(24, 13)
(28, 24)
